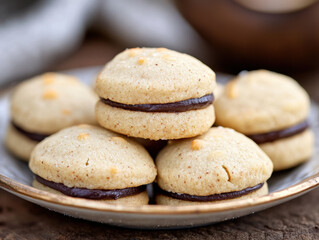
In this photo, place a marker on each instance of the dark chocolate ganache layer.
(275, 135)
(38, 137)
(209, 198)
(96, 194)
(182, 106)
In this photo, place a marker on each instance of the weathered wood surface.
(297, 219)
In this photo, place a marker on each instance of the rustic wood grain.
(297, 219)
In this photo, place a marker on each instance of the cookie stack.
(160, 94)
(155, 94)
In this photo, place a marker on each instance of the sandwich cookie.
(156, 93)
(44, 105)
(93, 163)
(272, 110)
(221, 165)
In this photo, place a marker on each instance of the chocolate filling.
(38, 137)
(96, 194)
(182, 106)
(213, 197)
(275, 135)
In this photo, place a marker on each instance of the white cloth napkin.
(49, 30)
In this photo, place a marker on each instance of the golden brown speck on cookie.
(83, 136)
(133, 51)
(197, 144)
(48, 78)
(66, 111)
(169, 57)
(231, 90)
(114, 170)
(141, 61)
(118, 139)
(50, 94)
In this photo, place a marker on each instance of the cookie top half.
(52, 101)
(261, 101)
(219, 161)
(90, 157)
(154, 75)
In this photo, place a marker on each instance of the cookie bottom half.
(291, 151)
(134, 200)
(155, 125)
(18, 144)
(165, 200)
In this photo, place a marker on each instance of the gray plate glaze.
(15, 177)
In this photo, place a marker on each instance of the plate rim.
(304, 186)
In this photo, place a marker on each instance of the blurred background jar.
(227, 35)
(280, 35)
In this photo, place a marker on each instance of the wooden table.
(297, 219)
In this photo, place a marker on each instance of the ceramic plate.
(16, 178)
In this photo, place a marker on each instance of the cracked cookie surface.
(221, 160)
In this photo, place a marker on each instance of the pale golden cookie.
(92, 158)
(49, 102)
(289, 152)
(155, 126)
(261, 101)
(44, 105)
(18, 144)
(269, 104)
(219, 161)
(155, 77)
